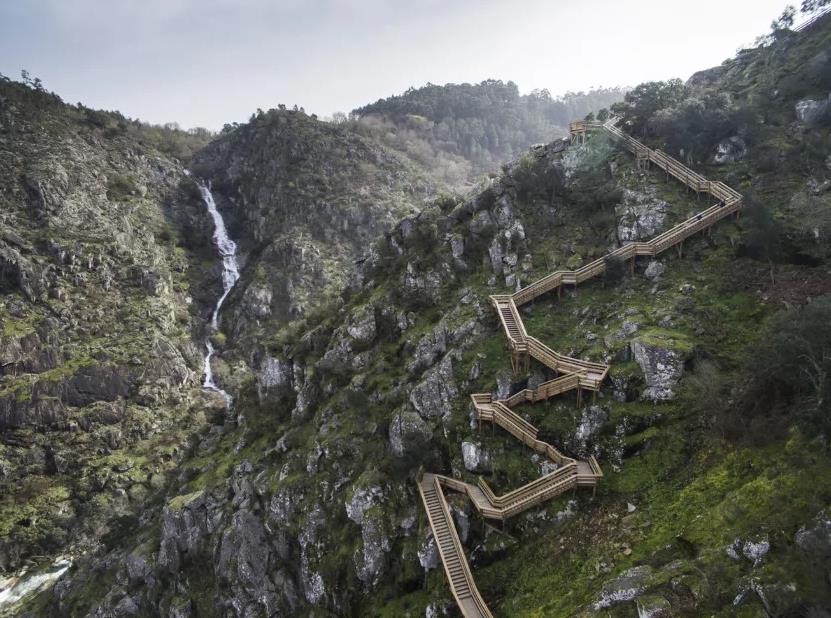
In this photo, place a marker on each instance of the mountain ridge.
(301, 500)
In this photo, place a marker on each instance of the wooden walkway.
(571, 374)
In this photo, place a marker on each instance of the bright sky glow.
(207, 62)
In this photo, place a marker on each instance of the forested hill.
(486, 123)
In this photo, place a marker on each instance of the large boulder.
(428, 553)
(640, 215)
(625, 587)
(371, 558)
(362, 328)
(432, 396)
(591, 420)
(815, 540)
(363, 498)
(654, 270)
(730, 150)
(408, 433)
(811, 112)
(662, 368)
(476, 459)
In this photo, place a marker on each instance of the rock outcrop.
(640, 215)
(662, 368)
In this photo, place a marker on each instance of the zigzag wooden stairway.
(573, 374)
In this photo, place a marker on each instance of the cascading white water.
(24, 585)
(230, 274)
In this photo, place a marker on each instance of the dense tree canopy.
(486, 123)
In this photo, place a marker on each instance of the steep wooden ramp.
(575, 374)
(450, 549)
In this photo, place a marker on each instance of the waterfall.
(230, 274)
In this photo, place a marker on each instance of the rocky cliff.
(346, 382)
(304, 198)
(99, 374)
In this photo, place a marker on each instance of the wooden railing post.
(570, 373)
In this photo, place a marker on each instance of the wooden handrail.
(471, 594)
(812, 20)
(578, 374)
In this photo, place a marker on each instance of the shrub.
(787, 376)
(792, 364)
(120, 186)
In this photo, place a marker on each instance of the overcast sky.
(208, 62)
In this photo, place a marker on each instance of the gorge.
(288, 430)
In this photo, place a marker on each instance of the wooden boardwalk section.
(571, 374)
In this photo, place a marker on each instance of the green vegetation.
(461, 130)
(740, 454)
(169, 138)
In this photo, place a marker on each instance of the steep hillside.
(712, 429)
(460, 131)
(761, 120)
(99, 374)
(303, 198)
(108, 275)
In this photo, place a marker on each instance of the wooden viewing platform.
(572, 374)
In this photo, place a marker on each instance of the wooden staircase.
(574, 374)
(450, 549)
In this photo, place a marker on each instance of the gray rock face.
(363, 328)
(457, 245)
(408, 433)
(428, 553)
(591, 420)
(97, 383)
(245, 561)
(504, 380)
(810, 111)
(461, 520)
(815, 540)
(30, 353)
(185, 530)
(426, 284)
(314, 588)
(475, 458)
(640, 216)
(662, 369)
(654, 270)
(730, 150)
(274, 378)
(429, 349)
(626, 587)
(431, 397)
(376, 545)
(137, 571)
(256, 300)
(363, 499)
